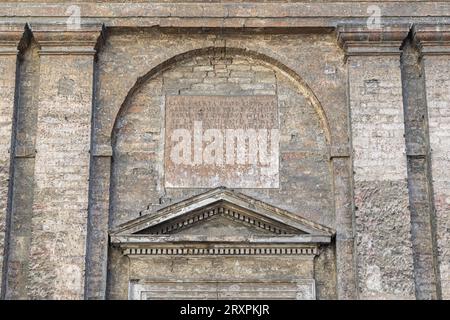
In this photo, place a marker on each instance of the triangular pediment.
(221, 225)
(221, 215)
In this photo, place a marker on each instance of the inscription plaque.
(230, 141)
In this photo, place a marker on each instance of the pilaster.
(98, 223)
(380, 195)
(345, 237)
(59, 222)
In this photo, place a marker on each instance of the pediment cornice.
(230, 199)
(159, 232)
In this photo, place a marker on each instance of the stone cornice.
(219, 14)
(222, 9)
(10, 37)
(358, 40)
(432, 39)
(61, 39)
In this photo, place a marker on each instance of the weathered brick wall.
(383, 239)
(148, 50)
(138, 171)
(395, 245)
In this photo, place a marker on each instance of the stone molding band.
(432, 39)
(10, 37)
(355, 39)
(360, 40)
(227, 250)
(58, 39)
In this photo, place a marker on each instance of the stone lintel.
(432, 39)
(359, 40)
(10, 37)
(63, 39)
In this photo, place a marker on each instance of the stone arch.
(130, 192)
(295, 89)
(302, 86)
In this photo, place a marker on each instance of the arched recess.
(132, 208)
(280, 67)
(303, 192)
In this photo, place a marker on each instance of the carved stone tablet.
(228, 141)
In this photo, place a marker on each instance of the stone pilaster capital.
(432, 39)
(62, 39)
(359, 40)
(10, 37)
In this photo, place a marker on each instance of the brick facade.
(364, 136)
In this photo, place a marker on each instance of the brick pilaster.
(382, 219)
(59, 222)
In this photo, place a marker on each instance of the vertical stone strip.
(346, 278)
(10, 36)
(59, 222)
(23, 174)
(434, 44)
(417, 151)
(98, 224)
(382, 218)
